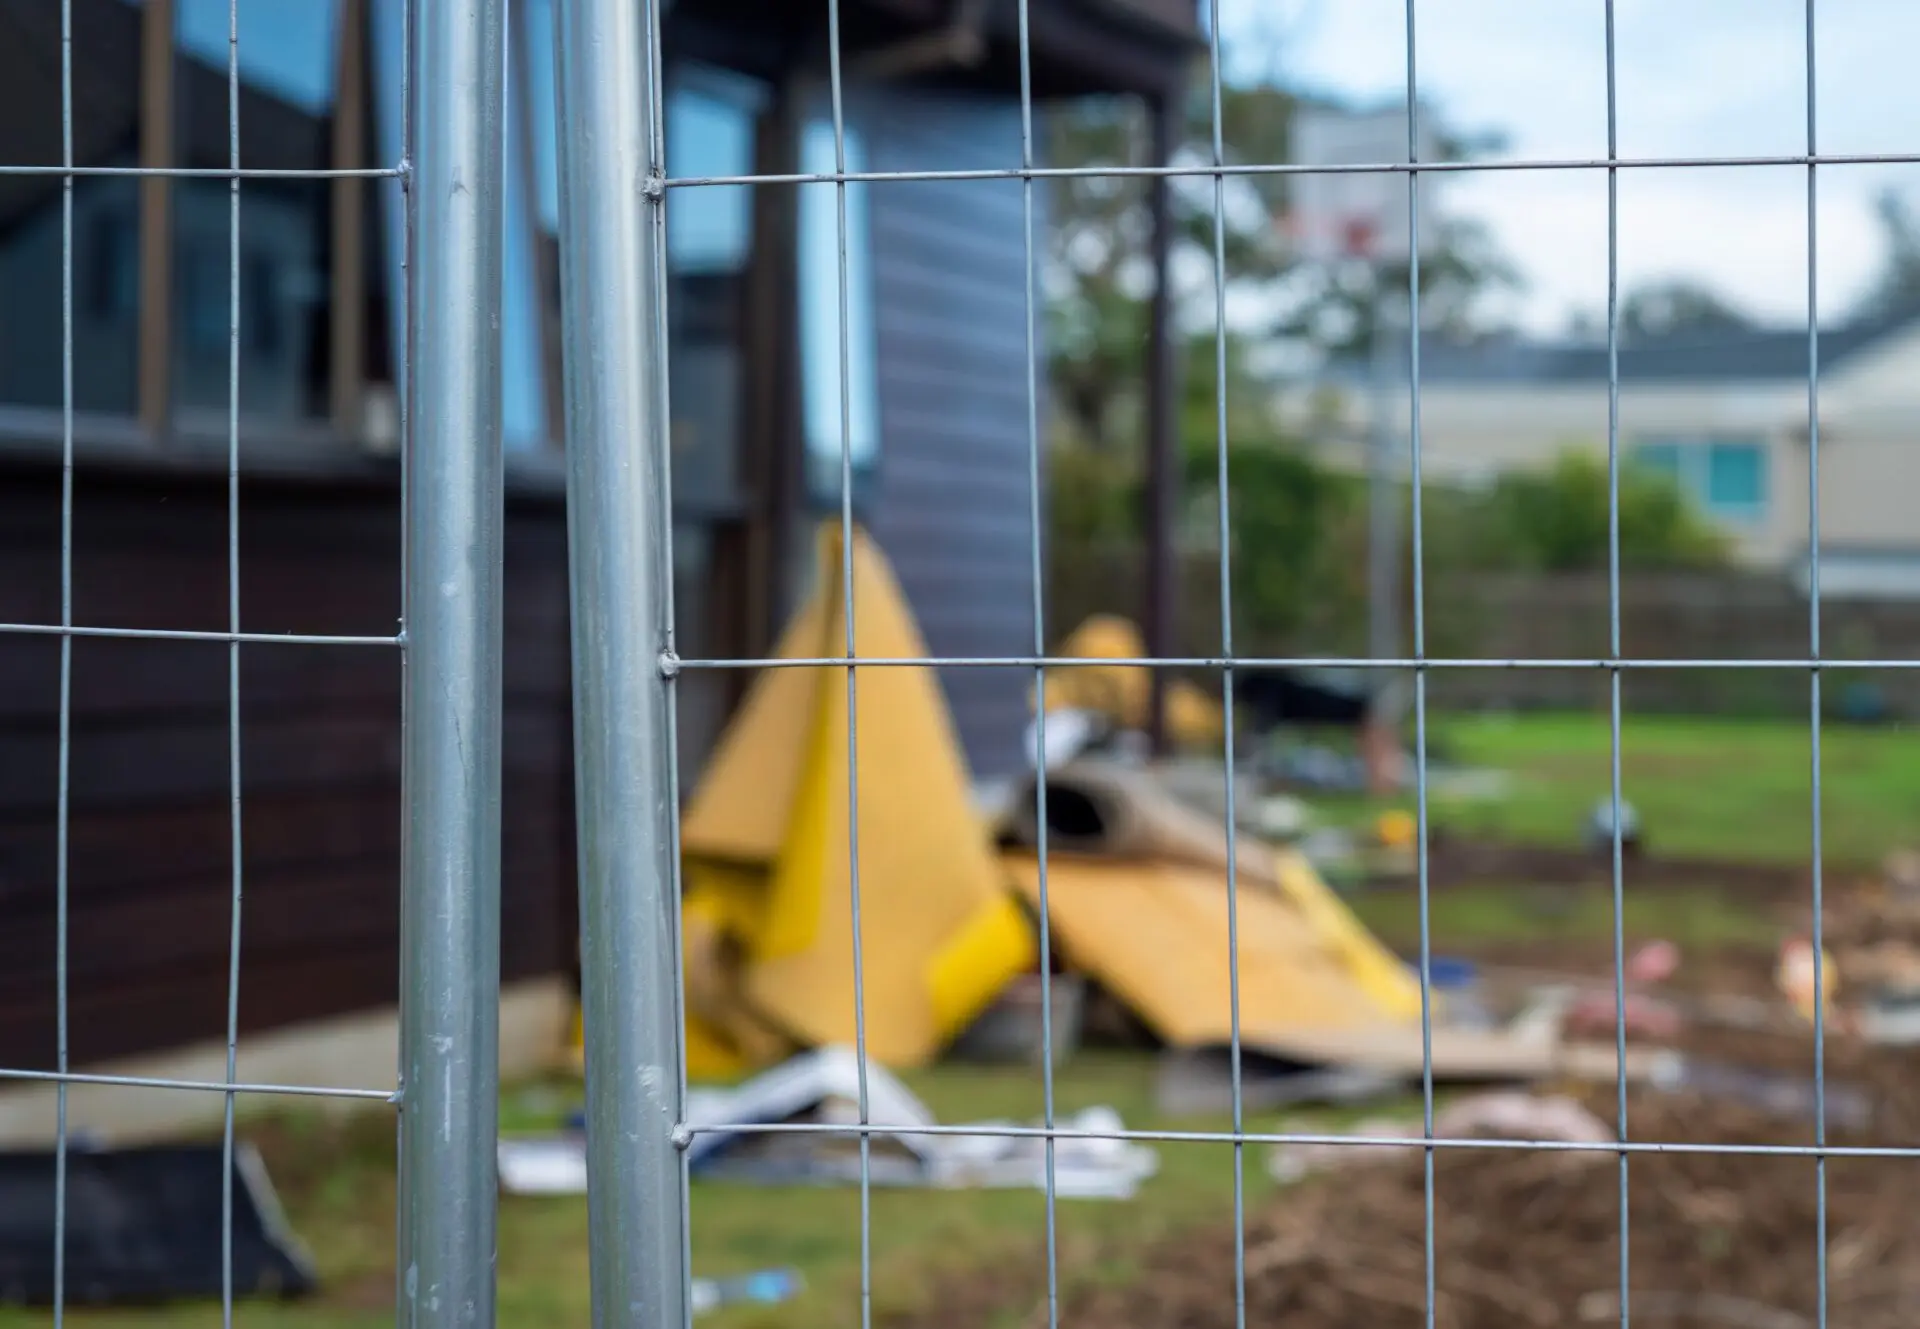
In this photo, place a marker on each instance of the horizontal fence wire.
(171, 634)
(64, 1078)
(1231, 170)
(1415, 663)
(207, 172)
(687, 1131)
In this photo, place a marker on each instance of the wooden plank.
(163, 1010)
(128, 680)
(289, 911)
(183, 760)
(121, 851)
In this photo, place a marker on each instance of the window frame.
(339, 440)
(1692, 471)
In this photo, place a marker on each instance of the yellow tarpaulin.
(1123, 693)
(766, 839)
(1155, 935)
(1128, 815)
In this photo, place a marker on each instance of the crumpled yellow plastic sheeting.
(1123, 693)
(766, 841)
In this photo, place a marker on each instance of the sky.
(1693, 78)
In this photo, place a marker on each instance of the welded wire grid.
(63, 1077)
(1614, 663)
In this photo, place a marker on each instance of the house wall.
(150, 862)
(1472, 432)
(952, 510)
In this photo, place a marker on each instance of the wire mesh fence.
(615, 204)
(629, 1032)
(449, 630)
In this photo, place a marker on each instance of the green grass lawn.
(335, 1178)
(1498, 915)
(1733, 790)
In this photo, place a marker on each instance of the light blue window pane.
(523, 422)
(820, 324)
(538, 29)
(286, 64)
(286, 49)
(708, 133)
(1737, 477)
(388, 56)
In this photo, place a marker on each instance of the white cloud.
(1694, 78)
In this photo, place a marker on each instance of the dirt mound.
(1532, 1237)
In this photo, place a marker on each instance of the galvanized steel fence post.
(612, 266)
(450, 925)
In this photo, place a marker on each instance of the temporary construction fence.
(451, 169)
(628, 664)
(614, 197)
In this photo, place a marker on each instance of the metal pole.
(450, 874)
(612, 261)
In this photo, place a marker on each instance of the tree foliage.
(1556, 519)
(1678, 308)
(1898, 285)
(1099, 276)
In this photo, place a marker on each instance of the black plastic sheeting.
(143, 1226)
(1271, 698)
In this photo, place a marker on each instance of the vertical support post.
(1163, 428)
(450, 872)
(612, 265)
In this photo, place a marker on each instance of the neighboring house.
(937, 282)
(1725, 414)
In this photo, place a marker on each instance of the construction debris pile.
(950, 894)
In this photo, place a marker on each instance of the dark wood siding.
(150, 859)
(953, 505)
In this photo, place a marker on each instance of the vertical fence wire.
(1223, 531)
(670, 640)
(63, 793)
(1036, 511)
(233, 660)
(836, 92)
(1614, 756)
(1422, 826)
(1813, 674)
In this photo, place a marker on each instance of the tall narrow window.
(711, 125)
(287, 60)
(106, 132)
(840, 392)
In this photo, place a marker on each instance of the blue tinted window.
(1736, 477)
(286, 58)
(821, 333)
(709, 133)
